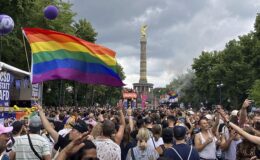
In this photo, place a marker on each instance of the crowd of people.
(102, 133)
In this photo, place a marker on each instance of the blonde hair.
(143, 134)
(97, 130)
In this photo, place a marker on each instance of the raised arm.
(73, 147)
(251, 138)
(120, 133)
(46, 124)
(215, 124)
(130, 118)
(243, 112)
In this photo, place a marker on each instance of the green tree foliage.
(84, 30)
(29, 13)
(237, 66)
(255, 92)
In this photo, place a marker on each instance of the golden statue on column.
(143, 30)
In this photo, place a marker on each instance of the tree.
(254, 92)
(29, 13)
(84, 30)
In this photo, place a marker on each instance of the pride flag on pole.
(57, 55)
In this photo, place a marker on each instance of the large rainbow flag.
(57, 55)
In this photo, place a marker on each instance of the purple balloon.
(6, 24)
(51, 12)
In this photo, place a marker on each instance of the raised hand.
(223, 115)
(75, 145)
(120, 104)
(246, 103)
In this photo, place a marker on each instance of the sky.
(178, 31)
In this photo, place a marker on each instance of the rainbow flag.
(57, 55)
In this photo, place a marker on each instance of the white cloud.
(177, 31)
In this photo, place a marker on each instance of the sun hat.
(4, 129)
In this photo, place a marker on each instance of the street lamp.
(219, 86)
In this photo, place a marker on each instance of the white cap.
(190, 112)
(234, 113)
(209, 117)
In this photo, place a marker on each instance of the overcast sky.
(178, 30)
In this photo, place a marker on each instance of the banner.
(35, 92)
(129, 95)
(6, 80)
(144, 98)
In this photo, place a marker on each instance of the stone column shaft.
(143, 73)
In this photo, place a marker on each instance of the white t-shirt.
(23, 150)
(156, 143)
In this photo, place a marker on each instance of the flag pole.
(25, 49)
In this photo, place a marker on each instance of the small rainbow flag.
(57, 55)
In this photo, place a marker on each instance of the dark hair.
(108, 128)
(148, 120)
(61, 116)
(88, 145)
(17, 126)
(139, 123)
(157, 129)
(167, 135)
(171, 118)
(202, 118)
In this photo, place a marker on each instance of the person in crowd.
(127, 142)
(252, 138)
(61, 142)
(79, 149)
(32, 145)
(18, 130)
(167, 136)
(155, 139)
(171, 119)
(246, 149)
(58, 124)
(229, 141)
(106, 148)
(205, 141)
(142, 151)
(148, 123)
(4, 138)
(180, 150)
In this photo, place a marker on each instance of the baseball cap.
(234, 113)
(179, 131)
(190, 112)
(209, 117)
(4, 129)
(35, 123)
(80, 126)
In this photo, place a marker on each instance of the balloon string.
(25, 49)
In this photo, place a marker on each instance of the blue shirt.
(183, 150)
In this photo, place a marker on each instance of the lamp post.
(219, 86)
